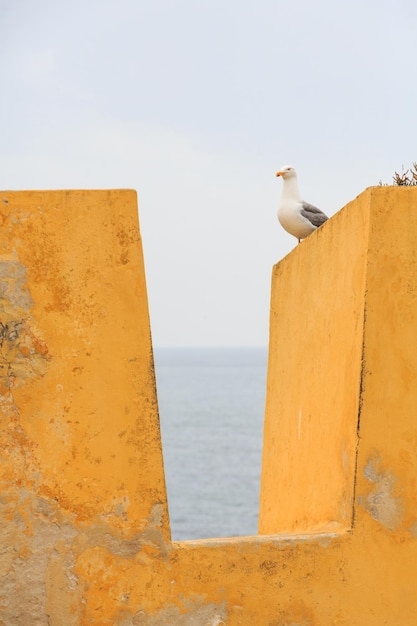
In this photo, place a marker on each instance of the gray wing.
(313, 214)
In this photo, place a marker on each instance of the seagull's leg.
(299, 241)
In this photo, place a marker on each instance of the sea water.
(211, 406)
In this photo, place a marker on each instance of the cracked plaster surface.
(381, 502)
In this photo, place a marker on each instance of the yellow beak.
(279, 173)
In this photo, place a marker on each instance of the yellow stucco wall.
(316, 331)
(83, 513)
(82, 475)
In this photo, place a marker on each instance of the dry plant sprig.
(407, 178)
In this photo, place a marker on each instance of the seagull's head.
(287, 171)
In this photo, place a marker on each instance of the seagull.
(299, 218)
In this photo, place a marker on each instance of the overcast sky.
(196, 105)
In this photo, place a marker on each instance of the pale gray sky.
(196, 105)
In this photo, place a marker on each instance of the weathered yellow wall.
(85, 531)
(82, 475)
(316, 330)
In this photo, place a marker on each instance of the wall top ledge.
(256, 541)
